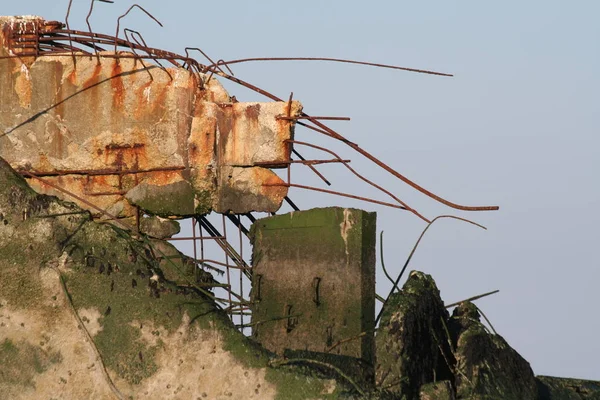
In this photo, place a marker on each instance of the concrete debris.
(412, 344)
(111, 131)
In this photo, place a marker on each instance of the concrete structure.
(171, 141)
(314, 281)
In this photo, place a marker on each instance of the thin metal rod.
(406, 206)
(472, 298)
(395, 285)
(316, 189)
(339, 60)
(321, 118)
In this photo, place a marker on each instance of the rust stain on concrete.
(104, 126)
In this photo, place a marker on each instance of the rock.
(552, 388)
(437, 391)
(410, 336)
(486, 366)
(160, 228)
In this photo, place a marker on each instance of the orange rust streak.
(118, 87)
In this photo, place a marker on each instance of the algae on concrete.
(412, 343)
(137, 298)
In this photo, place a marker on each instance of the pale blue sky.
(517, 126)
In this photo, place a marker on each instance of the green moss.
(296, 384)
(20, 363)
(203, 202)
(126, 283)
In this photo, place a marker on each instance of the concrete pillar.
(314, 281)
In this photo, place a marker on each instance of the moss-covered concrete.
(412, 343)
(164, 200)
(160, 228)
(153, 328)
(486, 366)
(314, 281)
(21, 361)
(441, 390)
(554, 388)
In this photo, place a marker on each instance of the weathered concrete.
(314, 282)
(486, 366)
(553, 388)
(87, 127)
(84, 304)
(437, 391)
(412, 343)
(160, 228)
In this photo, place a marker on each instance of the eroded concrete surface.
(109, 130)
(84, 304)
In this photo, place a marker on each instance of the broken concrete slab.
(160, 228)
(101, 127)
(249, 189)
(164, 200)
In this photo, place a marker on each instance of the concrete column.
(314, 281)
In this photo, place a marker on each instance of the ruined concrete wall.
(110, 129)
(314, 281)
(89, 312)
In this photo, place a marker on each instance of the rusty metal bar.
(69, 28)
(196, 238)
(227, 262)
(196, 273)
(472, 298)
(368, 155)
(241, 272)
(94, 172)
(337, 193)
(127, 12)
(291, 203)
(406, 206)
(339, 60)
(305, 162)
(104, 212)
(321, 118)
(222, 264)
(312, 167)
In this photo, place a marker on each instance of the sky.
(517, 126)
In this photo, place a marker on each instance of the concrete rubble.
(170, 141)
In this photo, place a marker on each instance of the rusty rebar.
(124, 15)
(316, 189)
(338, 60)
(87, 21)
(321, 118)
(69, 29)
(406, 206)
(134, 52)
(304, 162)
(472, 298)
(395, 285)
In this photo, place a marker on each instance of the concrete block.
(314, 281)
(256, 135)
